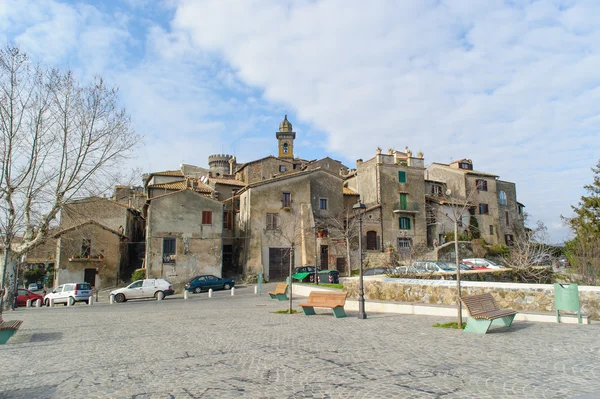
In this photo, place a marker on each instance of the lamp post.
(456, 215)
(359, 208)
(316, 277)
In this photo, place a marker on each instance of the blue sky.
(513, 85)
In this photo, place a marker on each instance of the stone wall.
(526, 297)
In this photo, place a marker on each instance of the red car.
(23, 295)
(473, 265)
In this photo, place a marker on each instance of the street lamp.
(359, 209)
(456, 215)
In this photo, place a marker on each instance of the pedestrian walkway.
(237, 347)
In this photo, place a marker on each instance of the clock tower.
(285, 137)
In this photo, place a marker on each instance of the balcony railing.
(408, 207)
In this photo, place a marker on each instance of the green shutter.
(404, 223)
(403, 202)
(402, 176)
(407, 223)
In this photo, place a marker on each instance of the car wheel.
(197, 290)
(227, 286)
(119, 298)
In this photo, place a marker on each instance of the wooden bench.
(8, 328)
(321, 299)
(280, 292)
(484, 312)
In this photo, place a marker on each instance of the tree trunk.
(8, 269)
(348, 256)
(291, 271)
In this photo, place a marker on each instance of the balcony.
(406, 207)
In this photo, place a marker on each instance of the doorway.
(324, 257)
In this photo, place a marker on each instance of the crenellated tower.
(220, 164)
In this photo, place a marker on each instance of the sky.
(513, 85)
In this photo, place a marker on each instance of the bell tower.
(285, 137)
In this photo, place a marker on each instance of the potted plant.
(389, 246)
(378, 150)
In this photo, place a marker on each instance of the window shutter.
(407, 223)
(401, 176)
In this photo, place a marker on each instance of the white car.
(33, 287)
(481, 262)
(147, 288)
(71, 292)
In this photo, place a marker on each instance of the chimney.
(359, 162)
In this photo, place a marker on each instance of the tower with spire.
(285, 137)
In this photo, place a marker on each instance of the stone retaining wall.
(529, 297)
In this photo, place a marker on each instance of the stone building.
(184, 232)
(284, 212)
(100, 241)
(395, 182)
(493, 201)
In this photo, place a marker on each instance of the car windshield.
(491, 262)
(447, 265)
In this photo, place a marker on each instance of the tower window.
(285, 148)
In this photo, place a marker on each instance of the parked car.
(481, 262)
(23, 295)
(452, 266)
(147, 288)
(208, 281)
(310, 277)
(542, 260)
(562, 261)
(71, 292)
(473, 266)
(33, 287)
(375, 271)
(421, 266)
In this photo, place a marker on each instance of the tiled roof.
(168, 173)
(230, 182)
(465, 171)
(348, 191)
(182, 185)
(61, 232)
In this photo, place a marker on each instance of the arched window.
(285, 148)
(502, 198)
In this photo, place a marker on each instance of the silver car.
(147, 288)
(71, 293)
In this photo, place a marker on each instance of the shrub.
(138, 274)
(499, 250)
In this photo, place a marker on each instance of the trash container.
(566, 297)
(329, 277)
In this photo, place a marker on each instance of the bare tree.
(60, 140)
(529, 250)
(344, 226)
(294, 226)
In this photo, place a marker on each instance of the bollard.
(38, 303)
(68, 301)
(28, 303)
(51, 302)
(210, 292)
(111, 299)
(232, 291)
(256, 289)
(185, 294)
(91, 300)
(260, 280)
(160, 296)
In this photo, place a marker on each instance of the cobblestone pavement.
(234, 347)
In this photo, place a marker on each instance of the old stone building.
(100, 241)
(183, 236)
(493, 202)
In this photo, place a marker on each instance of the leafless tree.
(294, 226)
(59, 140)
(344, 226)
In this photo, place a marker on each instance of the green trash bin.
(566, 297)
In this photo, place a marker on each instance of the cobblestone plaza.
(237, 347)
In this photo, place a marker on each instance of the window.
(506, 215)
(286, 200)
(510, 240)
(168, 249)
(483, 209)
(401, 176)
(403, 201)
(404, 223)
(481, 184)
(282, 168)
(436, 190)
(272, 221)
(491, 229)
(465, 165)
(86, 248)
(228, 220)
(285, 148)
(502, 198)
(206, 217)
(323, 203)
(404, 245)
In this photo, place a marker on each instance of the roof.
(230, 182)
(347, 191)
(180, 191)
(88, 222)
(464, 171)
(291, 174)
(242, 166)
(445, 201)
(182, 185)
(176, 172)
(97, 199)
